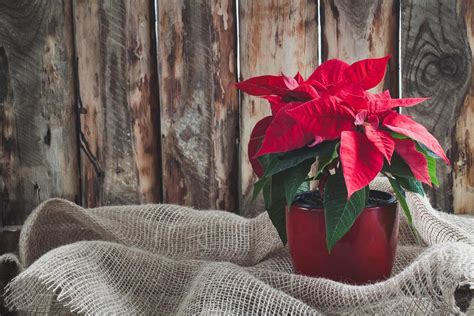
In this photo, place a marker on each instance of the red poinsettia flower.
(333, 104)
(332, 78)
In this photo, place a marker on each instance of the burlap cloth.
(167, 259)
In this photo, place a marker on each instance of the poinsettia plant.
(352, 134)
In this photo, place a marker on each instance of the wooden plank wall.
(102, 102)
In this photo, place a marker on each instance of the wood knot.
(448, 66)
(119, 170)
(442, 71)
(136, 52)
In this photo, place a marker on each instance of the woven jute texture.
(167, 259)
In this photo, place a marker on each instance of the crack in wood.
(83, 143)
(92, 158)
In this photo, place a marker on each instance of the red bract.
(406, 126)
(406, 148)
(381, 140)
(361, 160)
(268, 85)
(368, 72)
(382, 104)
(325, 118)
(286, 87)
(329, 74)
(284, 133)
(255, 141)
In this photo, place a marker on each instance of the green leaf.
(340, 213)
(432, 170)
(294, 177)
(283, 161)
(398, 135)
(411, 185)
(264, 161)
(259, 185)
(274, 197)
(398, 167)
(285, 174)
(267, 193)
(425, 150)
(431, 159)
(400, 170)
(400, 194)
(326, 159)
(304, 187)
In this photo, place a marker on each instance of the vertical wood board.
(275, 37)
(463, 146)
(437, 63)
(355, 30)
(199, 108)
(120, 112)
(38, 152)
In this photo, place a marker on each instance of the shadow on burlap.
(167, 259)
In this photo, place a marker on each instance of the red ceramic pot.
(364, 255)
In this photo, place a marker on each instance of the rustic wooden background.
(117, 101)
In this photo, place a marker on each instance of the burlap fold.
(167, 259)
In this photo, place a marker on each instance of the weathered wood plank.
(199, 108)
(119, 120)
(275, 36)
(38, 151)
(437, 62)
(463, 146)
(354, 30)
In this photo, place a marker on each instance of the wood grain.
(275, 36)
(199, 108)
(354, 30)
(437, 63)
(463, 145)
(119, 109)
(38, 152)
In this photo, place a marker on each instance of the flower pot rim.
(391, 200)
